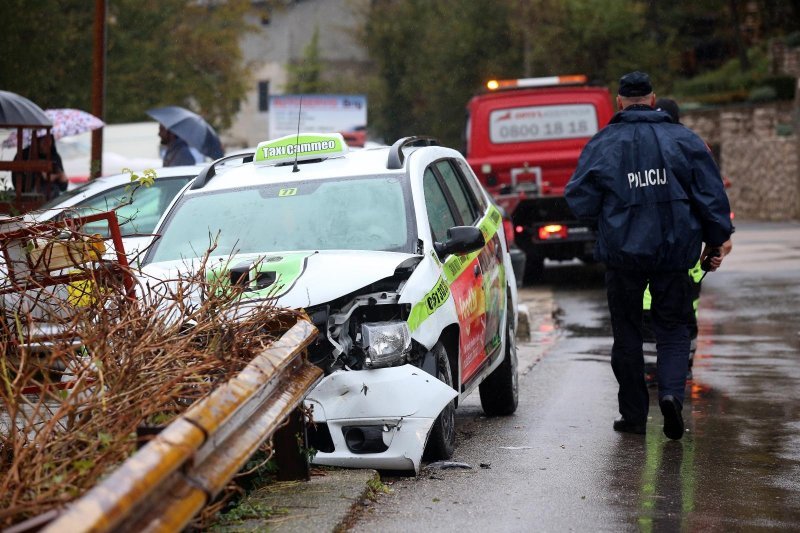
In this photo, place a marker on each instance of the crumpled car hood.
(295, 279)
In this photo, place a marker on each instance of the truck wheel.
(442, 440)
(534, 268)
(500, 391)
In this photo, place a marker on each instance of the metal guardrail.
(166, 483)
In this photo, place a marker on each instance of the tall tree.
(431, 57)
(47, 51)
(159, 52)
(183, 52)
(599, 38)
(305, 76)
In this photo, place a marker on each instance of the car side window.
(460, 192)
(474, 184)
(439, 214)
(140, 216)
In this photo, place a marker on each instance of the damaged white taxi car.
(398, 257)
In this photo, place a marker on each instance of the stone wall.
(758, 151)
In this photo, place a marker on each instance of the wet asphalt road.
(558, 466)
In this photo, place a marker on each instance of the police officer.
(656, 195)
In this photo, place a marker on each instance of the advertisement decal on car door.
(470, 302)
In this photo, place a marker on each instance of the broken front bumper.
(376, 418)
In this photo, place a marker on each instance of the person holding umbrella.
(176, 152)
(47, 185)
(66, 122)
(181, 129)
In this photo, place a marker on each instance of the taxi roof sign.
(300, 147)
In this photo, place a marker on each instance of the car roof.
(107, 182)
(353, 163)
(361, 162)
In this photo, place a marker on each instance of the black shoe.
(624, 426)
(673, 420)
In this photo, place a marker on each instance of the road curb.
(328, 502)
(523, 322)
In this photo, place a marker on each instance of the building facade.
(283, 30)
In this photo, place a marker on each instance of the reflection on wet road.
(557, 465)
(738, 467)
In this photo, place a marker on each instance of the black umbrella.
(16, 110)
(190, 127)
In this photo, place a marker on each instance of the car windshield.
(365, 213)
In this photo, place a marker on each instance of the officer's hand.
(726, 248)
(715, 262)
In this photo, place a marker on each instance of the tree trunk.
(744, 62)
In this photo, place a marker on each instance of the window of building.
(263, 96)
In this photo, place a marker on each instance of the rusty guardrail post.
(292, 461)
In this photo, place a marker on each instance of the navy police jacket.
(654, 191)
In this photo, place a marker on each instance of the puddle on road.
(738, 467)
(544, 326)
(739, 464)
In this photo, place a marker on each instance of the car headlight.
(386, 343)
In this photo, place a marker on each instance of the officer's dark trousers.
(671, 312)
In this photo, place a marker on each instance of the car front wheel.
(500, 391)
(442, 440)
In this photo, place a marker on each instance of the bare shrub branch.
(84, 365)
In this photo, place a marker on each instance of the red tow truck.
(524, 138)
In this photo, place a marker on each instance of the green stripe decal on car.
(287, 269)
(432, 301)
(488, 225)
(454, 266)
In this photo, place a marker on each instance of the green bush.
(762, 93)
(784, 86)
(726, 84)
(793, 39)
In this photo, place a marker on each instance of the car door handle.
(477, 270)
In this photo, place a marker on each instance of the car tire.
(500, 390)
(442, 439)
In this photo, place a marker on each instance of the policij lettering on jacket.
(645, 178)
(654, 191)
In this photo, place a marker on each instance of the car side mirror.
(460, 240)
